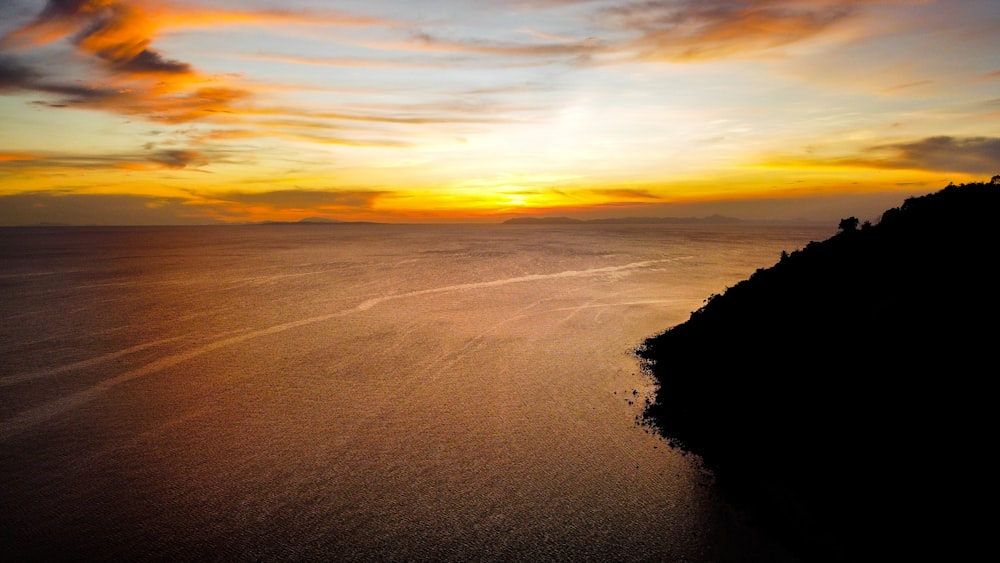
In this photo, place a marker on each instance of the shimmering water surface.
(355, 392)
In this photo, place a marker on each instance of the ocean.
(356, 392)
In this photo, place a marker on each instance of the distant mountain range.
(712, 219)
(844, 396)
(315, 221)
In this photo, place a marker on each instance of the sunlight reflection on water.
(355, 392)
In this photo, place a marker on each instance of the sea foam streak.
(32, 417)
(22, 377)
(520, 279)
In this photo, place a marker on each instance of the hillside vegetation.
(844, 396)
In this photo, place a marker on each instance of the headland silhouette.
(843, 396)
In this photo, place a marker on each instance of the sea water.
(356, 392)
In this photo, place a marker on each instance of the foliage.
(848, 224)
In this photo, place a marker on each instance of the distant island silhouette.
(843, 396)
(315, 221)
(711, 219)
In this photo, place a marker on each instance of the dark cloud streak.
(175, 159)
(971, 155)
(149, 61)
(629, 194)
(965, 155)
(14, 75)
(170, 159)
(691, 30)
(17, 76)
(34, 208)
(305, 199)
(578, 48)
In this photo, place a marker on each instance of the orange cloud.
(17, 157)
(138, 79)
(177, 16)
(689, 30)
(291, 205)
(127, 26)
(117, 33)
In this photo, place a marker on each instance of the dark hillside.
(844, 396)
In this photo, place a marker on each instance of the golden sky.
(155, 111)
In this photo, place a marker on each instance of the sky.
(204, 111)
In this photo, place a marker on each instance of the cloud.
(14, 75)
(17, 157)
(424, 41)
(545, 4)
(693, 30)
(151, 104)
(348, 62)
(965, 155)
(175, 159)
(72, 207)
(971, 155)
(627, 194)
(117, 33)
(909, 85)
(412, 119)
(298, 199)
(35, 208)
(292, 204)
(117, 28)
(163, 159)
(117, 38)
(310, 132)
(138, 79)
(157, 102)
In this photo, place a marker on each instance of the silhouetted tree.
(995, 180)
(849, 224)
